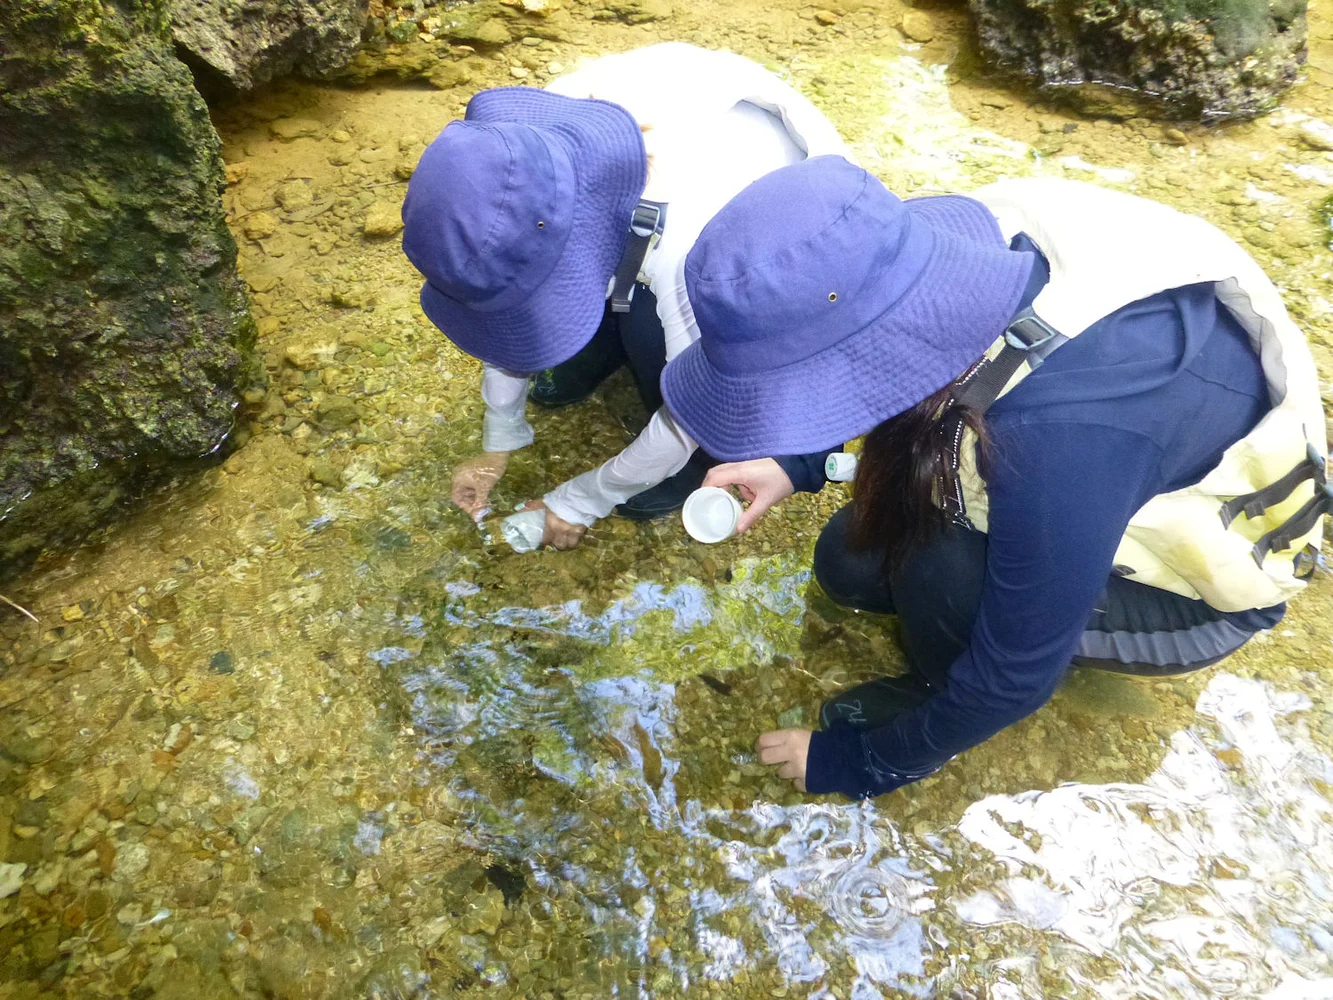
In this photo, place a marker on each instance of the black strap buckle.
(646, 224)
(1030, 333)
(647, 219)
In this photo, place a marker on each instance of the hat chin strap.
(645, 229)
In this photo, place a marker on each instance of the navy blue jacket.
(1142, 403)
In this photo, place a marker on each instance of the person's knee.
(851, 578)
(830, 555)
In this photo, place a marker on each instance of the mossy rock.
(235, 45)
(124, 330)
(1208, 60)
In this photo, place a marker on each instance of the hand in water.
(788, 748)
(560, 534)
(761, 482)
(475, 478)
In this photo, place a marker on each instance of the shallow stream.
(298, 729)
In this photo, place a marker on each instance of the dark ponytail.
(904, 469)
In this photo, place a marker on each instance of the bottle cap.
(840, 467)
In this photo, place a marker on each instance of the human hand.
(761, 482)
(560, 534)
(475, 478)
(788, 748)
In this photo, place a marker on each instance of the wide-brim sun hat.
(827, 305)
(517, 216)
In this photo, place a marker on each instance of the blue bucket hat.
(827, 305)
(517, 217)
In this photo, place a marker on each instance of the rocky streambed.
(298, 729)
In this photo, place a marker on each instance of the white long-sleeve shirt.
(713, 122)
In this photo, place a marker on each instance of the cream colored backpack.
(1234, 538)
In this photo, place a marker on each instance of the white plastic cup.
(840, 467)
(711, 514)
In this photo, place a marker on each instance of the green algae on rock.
(124, 325)
(1203, 59)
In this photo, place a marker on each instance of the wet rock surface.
(237, 45)
(1201, 59)
(124, 324)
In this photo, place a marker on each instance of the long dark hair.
(904, 470)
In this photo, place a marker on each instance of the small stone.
(379, 348)
(383, 219)
(130, 913)
(63, 650)
(532, 41)
(1175, 137)
(433, 931)
(326, 473)
(11, 878)
(347, 296)
(793, 718)
(27, 750)
(222, 663)
(997, 101)
(294, 195)
(247, 824)
(289, 129)
(236, 172)
(240, 729)
(555, 68)
(520, 72)
(918, 26)
(491, 32)
(47, 879)
(1317, 135)
(405, 168)
(32, 812)
(826, 17)
(259, 226)
(483, 911)
(131, 862)
(1231, 757)
(450, 74)
(309, 356)
(72, 613)
(340, 135)
(336, 413)
(402, 31)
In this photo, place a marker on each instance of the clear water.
(280, 738)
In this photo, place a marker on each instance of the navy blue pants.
(1133, 629)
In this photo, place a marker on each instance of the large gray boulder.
(239, 44)
(124, 328)
(1207, 60)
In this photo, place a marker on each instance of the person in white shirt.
(536, 217)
